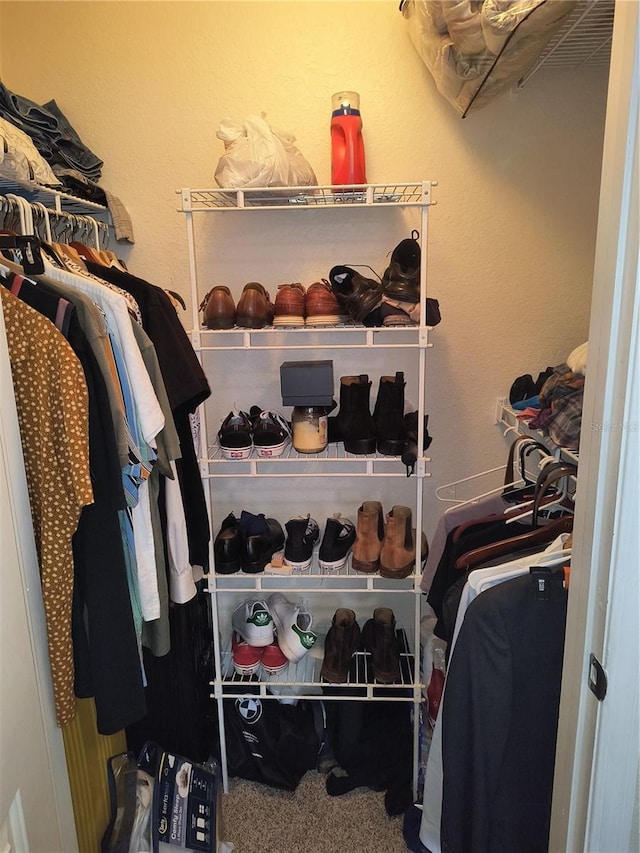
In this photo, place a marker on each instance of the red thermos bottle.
(347, 145)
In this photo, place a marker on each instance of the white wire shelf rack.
(415, 194)
(507, 417)
(333, 461)
(584, 39)
(302, 680)
(344, 335)
(52, 198)
(314, 580)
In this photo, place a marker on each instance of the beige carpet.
(259, 819)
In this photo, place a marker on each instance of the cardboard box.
(306, 383)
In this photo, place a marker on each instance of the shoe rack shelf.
(301, 198)
(333, 461)
(302, 680)
(347, 343)
(351, 336)
(329, 582)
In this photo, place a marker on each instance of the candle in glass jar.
(309, 427)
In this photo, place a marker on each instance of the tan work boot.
(398, 553)
(369, 535)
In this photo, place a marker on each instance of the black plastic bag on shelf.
(270, 742)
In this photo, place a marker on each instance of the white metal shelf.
(314, 580)
(308, 198)
(55, 199)
(334, 459)
(334, 462)
(343, 335)
(303, 680)
(507, 417)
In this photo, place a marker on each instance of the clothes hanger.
(562, 469)
(535, 536)
(518, 485)
(510, 478)
(87, 253)
(65, 251)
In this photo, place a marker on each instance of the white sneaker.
(293, 627)
(253, 622)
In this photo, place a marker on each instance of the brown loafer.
(254, 310)
(219, 308)
(289, 305)
(321, 305)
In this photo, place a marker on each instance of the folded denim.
(51, 132)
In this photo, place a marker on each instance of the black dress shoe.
(227, 547)
(261, 538)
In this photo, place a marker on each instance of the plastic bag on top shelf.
(257, 155)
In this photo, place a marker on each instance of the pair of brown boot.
(378, 637)
(387, 547)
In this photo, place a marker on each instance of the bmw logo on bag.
(250, 709)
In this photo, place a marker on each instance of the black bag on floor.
(270, 742)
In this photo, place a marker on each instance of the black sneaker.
(337, 541)
(302, 533)
(235, 436)
(271, 432)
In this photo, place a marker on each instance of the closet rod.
(33, 214)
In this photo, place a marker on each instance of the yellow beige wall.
(511, 238)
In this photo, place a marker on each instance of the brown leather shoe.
(289, 305)
(219, 308)
(254, 310)
(380, 639)
(321, 305)
(343, 638)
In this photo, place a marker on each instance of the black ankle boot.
(388, 415)
(354, 417)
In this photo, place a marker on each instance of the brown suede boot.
(379, 638)
(398, 553)
(343, 638)
(369, 535)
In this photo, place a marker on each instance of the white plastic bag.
(257, 155)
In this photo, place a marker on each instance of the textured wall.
(511, 238)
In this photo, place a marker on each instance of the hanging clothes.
(500, 715)
(51, 396)
(106, 658)
(484, 674)
(187, 387)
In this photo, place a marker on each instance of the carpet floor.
(260, 819)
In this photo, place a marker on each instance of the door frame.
(593, 795)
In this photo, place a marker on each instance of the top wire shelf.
(52, 198)
(365, 195)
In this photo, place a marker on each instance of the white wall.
(511, 238)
